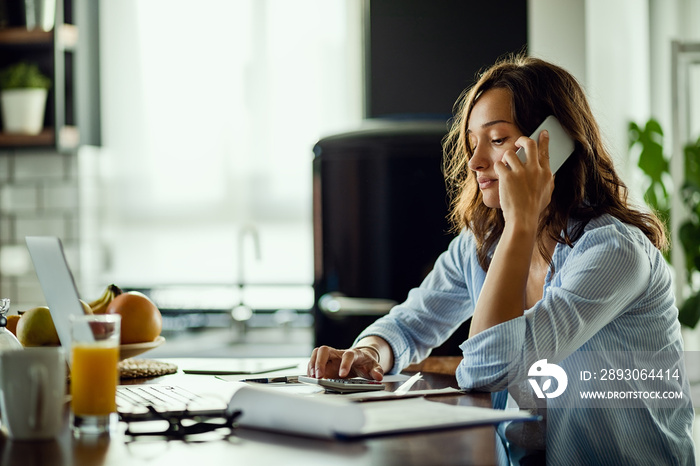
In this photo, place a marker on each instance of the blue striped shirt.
(612, 292)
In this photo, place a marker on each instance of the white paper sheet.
(419, 414)
(366, 396)
(396, 378)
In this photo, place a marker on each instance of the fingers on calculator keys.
(345, 385)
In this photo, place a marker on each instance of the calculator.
(344, 385)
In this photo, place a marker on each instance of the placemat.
(136, 368)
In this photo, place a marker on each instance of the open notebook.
(336, 416)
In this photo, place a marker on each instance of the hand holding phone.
(561, 146)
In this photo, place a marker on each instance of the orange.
(141, 319)
(12, 320)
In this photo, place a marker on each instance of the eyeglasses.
(176, 429)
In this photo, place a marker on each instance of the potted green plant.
(23, 94)
(658, 195)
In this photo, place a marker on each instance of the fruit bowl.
(134, 349)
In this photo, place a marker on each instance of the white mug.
(32, 392)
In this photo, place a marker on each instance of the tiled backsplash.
(39, 195)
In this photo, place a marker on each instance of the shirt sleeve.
(433, 311)
(601, 278)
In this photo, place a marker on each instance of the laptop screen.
(58, 286)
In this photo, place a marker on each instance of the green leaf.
(634, 134)
(690, 241)
(691, 199)
(652, 162)
(689, 312)
(687, 233)
(653, 127)
(650, 198)
(692, 165)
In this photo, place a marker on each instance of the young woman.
(548, 267)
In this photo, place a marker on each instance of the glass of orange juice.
(94, 373)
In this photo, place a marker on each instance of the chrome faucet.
(242, 312)
(252, 230)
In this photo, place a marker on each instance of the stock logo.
(543, 369)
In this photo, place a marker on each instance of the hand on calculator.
(344, 385)
(331, 363)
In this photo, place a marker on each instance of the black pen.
(282, 379)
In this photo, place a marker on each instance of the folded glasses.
(176, 428)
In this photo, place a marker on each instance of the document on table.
(338, 417)
(386, 395)
(419, 414)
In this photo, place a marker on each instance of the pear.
(36, 328)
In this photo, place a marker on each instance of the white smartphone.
(561, 146)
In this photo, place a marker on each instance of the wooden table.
(475, 445)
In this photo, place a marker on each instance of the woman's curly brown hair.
(586, 186)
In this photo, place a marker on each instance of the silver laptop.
(57, 284)
(133, 401)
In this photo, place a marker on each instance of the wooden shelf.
(66, 34)
(68, 138)
(47, 137)
(22, 36)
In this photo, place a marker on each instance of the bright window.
(210, 111)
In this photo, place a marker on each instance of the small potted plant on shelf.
(23, 94)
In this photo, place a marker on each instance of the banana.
(105, 298)
(105, 295)
(99, 306)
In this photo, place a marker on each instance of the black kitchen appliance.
(379, 217)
